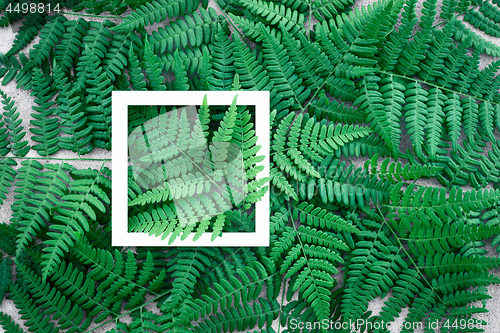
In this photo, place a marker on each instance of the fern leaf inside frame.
(242, 174)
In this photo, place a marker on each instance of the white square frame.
(119, 204)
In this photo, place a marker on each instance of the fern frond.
(74, 122)
(371, 272)
(68, 315)
(441, 209)
(416, 114)
(366, 146)
(432, 66)
(414, 53)
(181, 81)
(371, 101)
(8, 324)
(274, 13)
(5, 276)
(327, 10)
(440, 264)
(281, 70)
(397, 41)
(69, 48)
(304, 56)
(49, 35)
(31, 26)
(152, 68)
(98, 101)
(452, 65)
(253, 75)
(193, 30)
(322, 108)
(486, 119)
(468, 73)
(317, 217)
(228, 291)
(484, 82)
(313, 265)
(15, 131)
(119, 279)
(36, 319)
(443, 239)
(435, 119)
(192, 58)
(7, 174)
(453, 112)
(136, 76)
(481, 22)
(115, 59)
(252, 30)
(12, 68)
(80, 290)
(222, 61)
(48, 126)
(395, 172)
(341, 184)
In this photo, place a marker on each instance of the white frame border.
(120, 102)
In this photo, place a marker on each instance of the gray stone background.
(24, 101)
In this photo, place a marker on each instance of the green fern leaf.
(156, 11)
